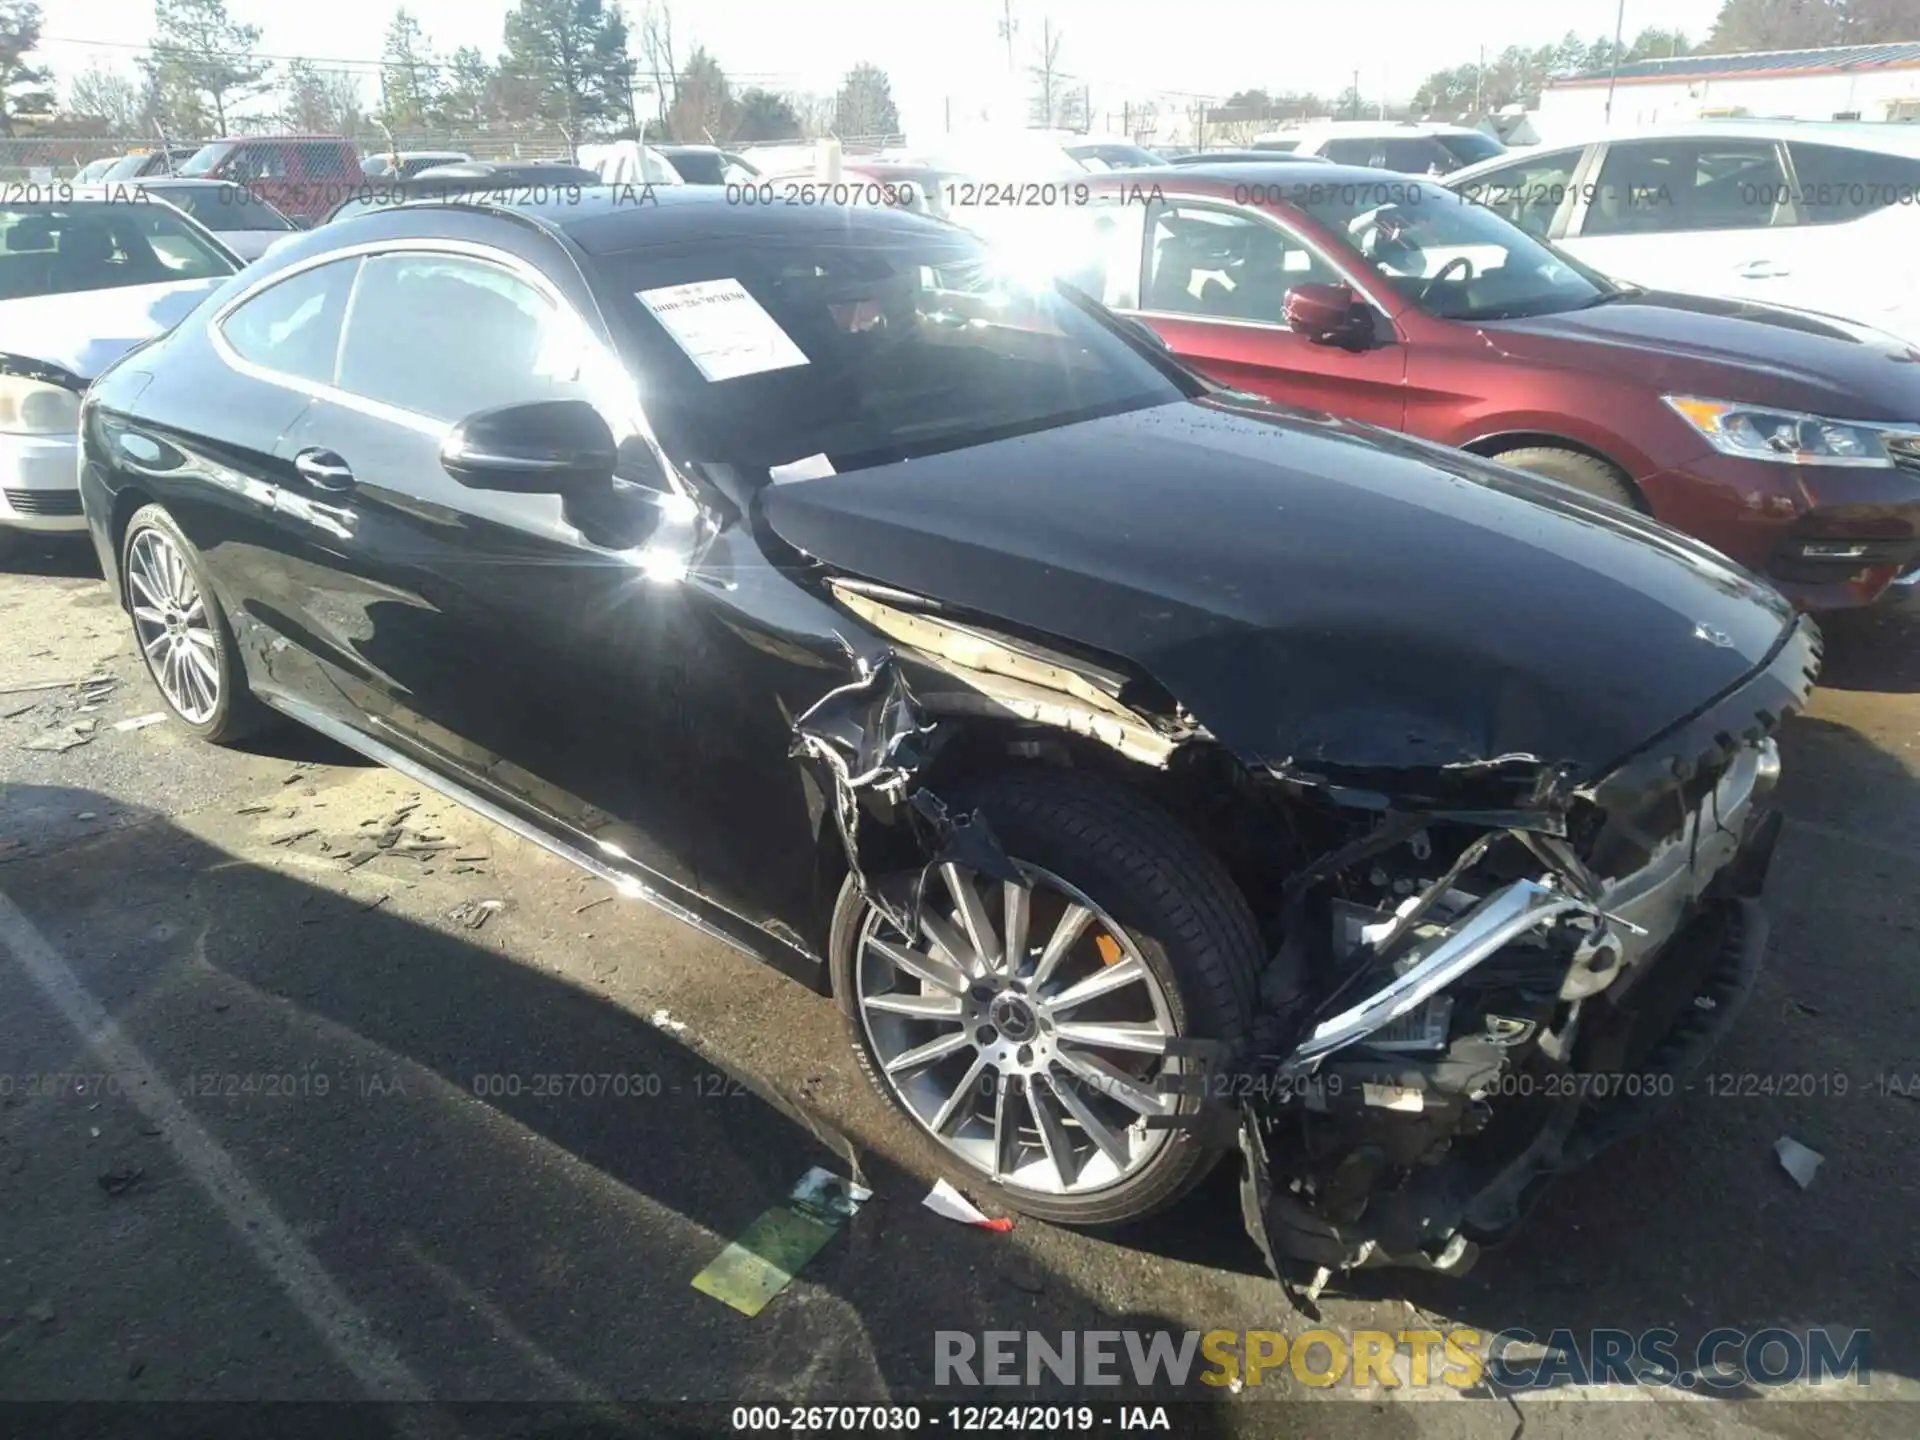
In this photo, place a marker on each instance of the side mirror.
(549, 447)
(1329, 315)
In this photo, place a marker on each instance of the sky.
(931, 49)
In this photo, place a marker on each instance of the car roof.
(1364, 129)
(1883, 137)
(1316, 172)
(278, 140)
(612, 219)
(1247, 156)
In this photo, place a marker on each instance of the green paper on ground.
(777, 1246)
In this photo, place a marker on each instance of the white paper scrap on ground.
(813, 467)
(1797, 1160)
(723, 329)
(943, 1199)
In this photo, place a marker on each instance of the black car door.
(211, 417)
(514, 643)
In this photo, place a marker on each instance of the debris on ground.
(296, 835)
(946, 1201)
(141, 722)
(375, 904)
(40, 1312)
(39, 685)
(1797, 1160)
(474, 913)
(661, 1020)
(582, 909)
(253, 810)
(19, 710)
(87, 815)
(119, 1182)
(60, 741)
(751, 1271)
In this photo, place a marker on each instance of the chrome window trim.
(361, 252)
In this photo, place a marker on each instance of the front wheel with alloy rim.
(182, 634)
(1025, 1029)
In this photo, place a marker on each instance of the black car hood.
(1763, 353)
(1320, 595)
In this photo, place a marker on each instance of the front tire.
(1582, 471)
(182, 634)
(1032, 1080)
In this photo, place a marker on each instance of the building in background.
(1849, 82)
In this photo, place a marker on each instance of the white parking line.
(342, 1326)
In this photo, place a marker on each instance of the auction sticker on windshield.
(723, 329)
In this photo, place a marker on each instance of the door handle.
(1762, 270)
(323, 470)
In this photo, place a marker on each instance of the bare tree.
(118, 101)
(1050, 85)
(656, 48)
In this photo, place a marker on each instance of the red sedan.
(1791, 441)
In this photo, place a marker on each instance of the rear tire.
(1164, 910)
(1588, 473)
(183, 635)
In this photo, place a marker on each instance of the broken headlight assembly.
(1477, 1012)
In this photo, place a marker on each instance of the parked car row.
(1790, 441)
(1150, 770)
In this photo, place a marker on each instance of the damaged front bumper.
(1421, 1122)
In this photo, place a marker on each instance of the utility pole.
(1007, 26)
(1356, 94)
(1613, 75)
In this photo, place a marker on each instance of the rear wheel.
(1025, 1029)
(1576, 468)
(182, 634)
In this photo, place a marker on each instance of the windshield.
(1471, 149)
(221, 207)
(864, 349)
(1453, 258)
(127, 167)
(99, 245)
(203, 160)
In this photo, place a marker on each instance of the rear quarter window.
(1834, 184)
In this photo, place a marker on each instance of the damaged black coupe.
(1151, 773)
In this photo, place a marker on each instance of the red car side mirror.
(1328, 314)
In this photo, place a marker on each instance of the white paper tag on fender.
(814, 467)
(723, 329)
(1393, 1097)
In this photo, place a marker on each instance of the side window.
(1650, 187)
(294, 327)
(1416, 155)
(444, 336)
(1835, 184)
(1528, 194)
(1225, 265)
(1350, 152)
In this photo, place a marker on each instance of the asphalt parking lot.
(286, 988)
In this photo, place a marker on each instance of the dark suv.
(301, 176)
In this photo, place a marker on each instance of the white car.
(1811, 215)
(1409, 146)
(244, 222)
(81, 283)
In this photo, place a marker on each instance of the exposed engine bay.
(1484, 1010)
(1479, 975)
